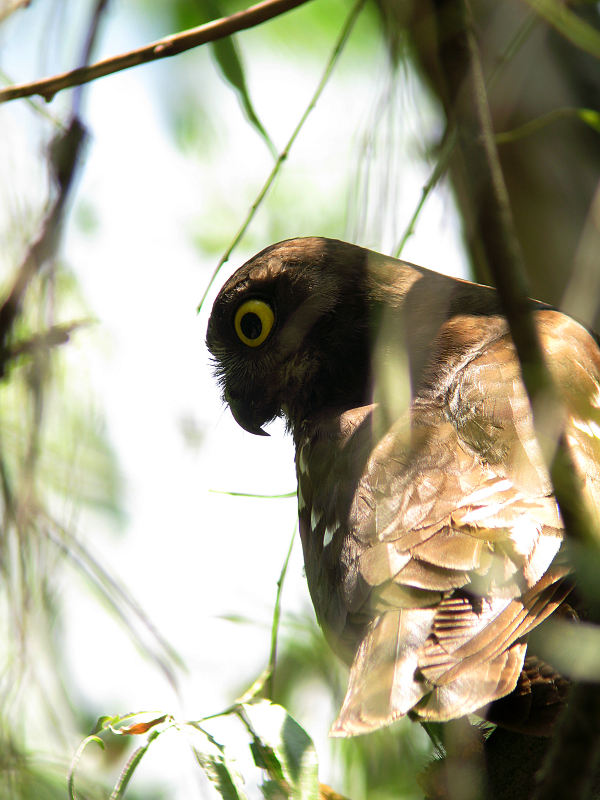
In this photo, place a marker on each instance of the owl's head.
(288, 328)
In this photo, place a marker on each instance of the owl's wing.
(458, 531)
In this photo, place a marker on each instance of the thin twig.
(36, 105)
(586, 115)
(10, 6)
(276, 617)
(117, 596)
(449, 138)
(88, 49)
(163, 48)
(437, 173)
(337, 50)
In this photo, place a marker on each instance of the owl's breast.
(328, 467)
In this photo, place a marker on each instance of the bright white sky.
(186, 554)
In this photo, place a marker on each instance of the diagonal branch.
(575, 753)
(163, 48)
(491, 219)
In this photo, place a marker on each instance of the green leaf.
(102, 724)
(225, 52)
(220, 772)
(283, 749)
(590, 117)
(229, 61)
(129, 769)
(77, 758)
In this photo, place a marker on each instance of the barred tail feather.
(384, 683)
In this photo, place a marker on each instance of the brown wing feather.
(455, 528)
(382, 685)
(428, 524)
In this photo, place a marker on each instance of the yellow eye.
(253, 322)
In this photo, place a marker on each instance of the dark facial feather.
(314, 289)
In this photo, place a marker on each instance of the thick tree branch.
(491, 221)
(163, 48)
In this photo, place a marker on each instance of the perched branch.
(163, 48)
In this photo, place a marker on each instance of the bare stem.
(276, 618)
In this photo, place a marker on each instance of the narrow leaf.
(257, 688)
(227, 57)
(75, 763)
(221, 773)
(283, 749)
(132, 764)
(139, 728)
(569, 24)
(229, 61)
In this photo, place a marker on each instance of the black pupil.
(251, 325)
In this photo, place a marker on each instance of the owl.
(431, 537)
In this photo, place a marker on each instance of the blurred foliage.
(282, 751)
(226, 54)
(551, 173)
(321, 23)
(55, 464)
(383, 765)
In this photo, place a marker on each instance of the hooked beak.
(245, 415)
